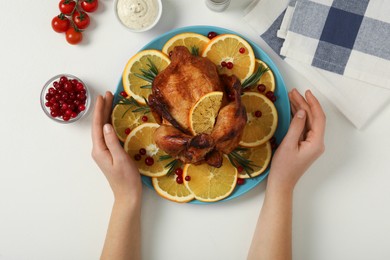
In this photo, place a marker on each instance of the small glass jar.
(217, 5)
(47, 108)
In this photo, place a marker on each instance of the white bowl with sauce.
(138, 15)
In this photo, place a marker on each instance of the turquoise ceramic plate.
(282, 104)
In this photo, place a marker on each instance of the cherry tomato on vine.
(60, 23)
(67, 6)
(73, 36)
(81, 19)
(89, 5)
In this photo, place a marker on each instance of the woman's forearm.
(272, 237)
(123, 239)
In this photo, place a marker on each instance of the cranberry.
(223, 63)
(52, 91)
(229, 65)
(142, 151)
(240, 181)
(127, 131)
(79, 86)
(81, 107)
(242, 50)
(149, 161)
(187, 178)
(68, 112)
(68, 86)
(144, 119)
(269, 94)
(179, 180)
(123, 94)
(273, 99)
(258, 113)
(63, 79)
(137, 157)
(54, 113)
(65, 117)
(64, 106)
(48, 104)
(261, 88)
(240, 168)
(211, 35)
(73, 115)
(179, 171)
(55, 84)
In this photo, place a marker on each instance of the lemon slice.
(262, 119)
(204, 112)
(132, 84)
(193, 42)
(230, 48)
(211, 184)
(142, 137)
(267, 79)
(260, 156)
(124, 120)
(167, 187)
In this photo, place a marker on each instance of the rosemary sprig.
(238, 160)
(172, 165)
(148, 74)
(195, 51)
(255, 77)
(131, 102)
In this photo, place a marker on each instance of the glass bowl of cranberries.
(65, 98)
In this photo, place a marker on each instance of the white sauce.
(137, 14)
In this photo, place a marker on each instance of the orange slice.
(124, 120)
(167, 187)
(142, 137)
(230, 48)
(194, 42)
(267, 79)
(258, 129)
(204, 112)
(134, 85)
(260, 156)
(211, 184)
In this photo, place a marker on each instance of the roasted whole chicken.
(175, 91)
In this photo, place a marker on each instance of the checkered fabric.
(347, 37)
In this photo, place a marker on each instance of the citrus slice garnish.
(143, 60)
(267, 79)
(204, 112)
(232, 55)
(262, 119)
(211, 184)
(168, 188)
(259, 156)
(194, 42)
(142, 138)
(124, 120)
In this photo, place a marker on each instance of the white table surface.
(55, 203)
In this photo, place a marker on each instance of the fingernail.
(107, 128)
(301, 113)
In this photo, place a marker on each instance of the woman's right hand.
(119, 169)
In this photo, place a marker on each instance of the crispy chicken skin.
(175, 90)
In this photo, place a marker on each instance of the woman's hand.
(119, 169)
(302, 145)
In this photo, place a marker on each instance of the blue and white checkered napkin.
(341, 46)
